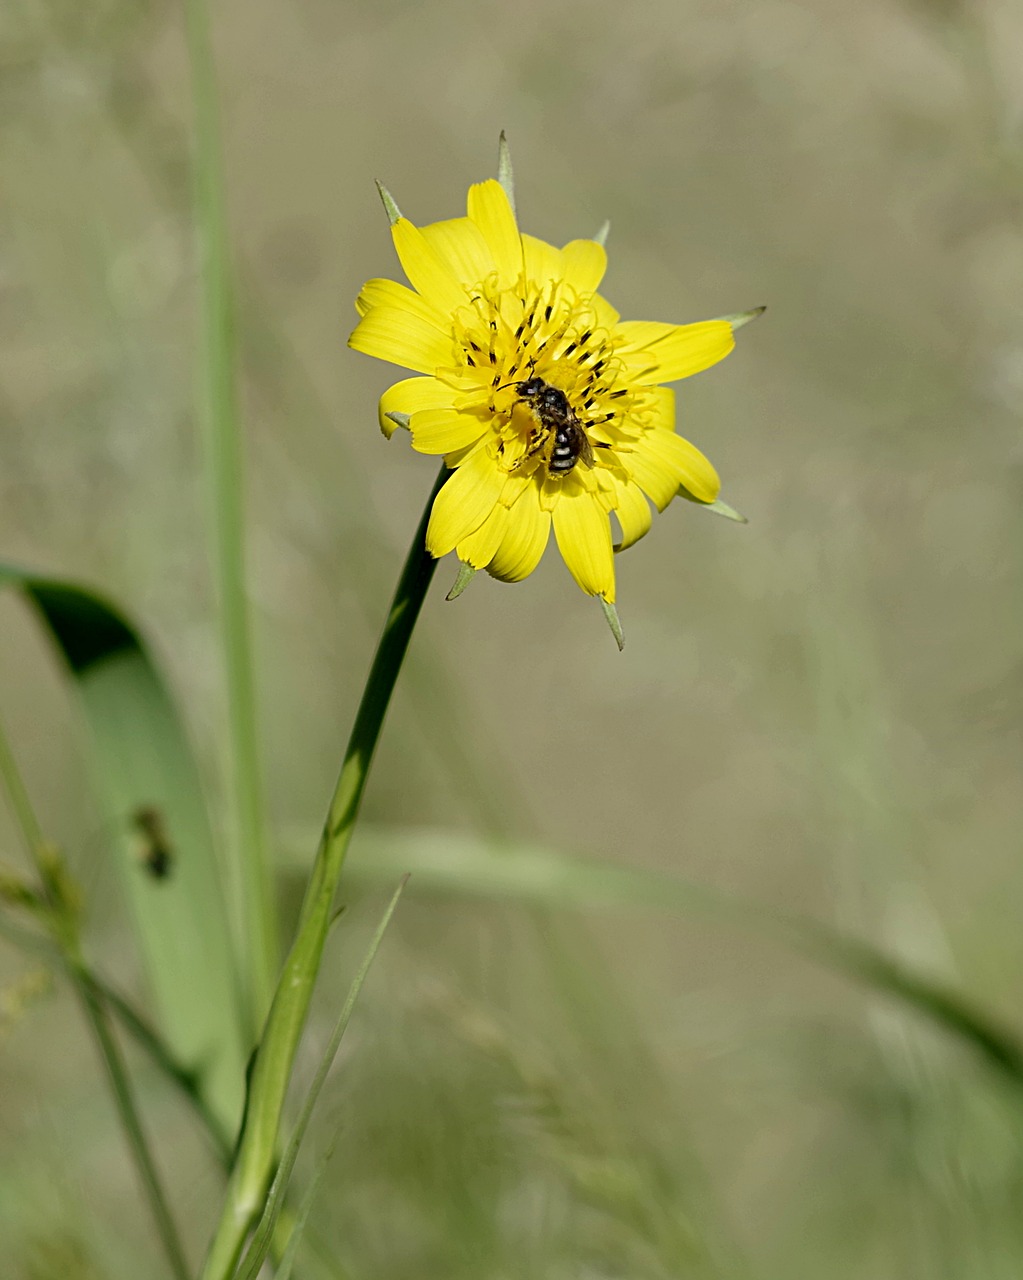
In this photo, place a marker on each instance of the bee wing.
(585, 448)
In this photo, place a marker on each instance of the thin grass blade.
(262, 1239)
(455, 863)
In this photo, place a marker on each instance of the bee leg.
(535, 446)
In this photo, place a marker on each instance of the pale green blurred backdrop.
(821, 709)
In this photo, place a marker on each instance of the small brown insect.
(156, 853)
(561, 436)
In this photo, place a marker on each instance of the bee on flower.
(548, 409)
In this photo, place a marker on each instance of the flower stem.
(63, 926)
(286, 1020)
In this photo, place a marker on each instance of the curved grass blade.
(142, 763)
(459, 864)
(259, 1247)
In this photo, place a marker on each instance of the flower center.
(511, 337)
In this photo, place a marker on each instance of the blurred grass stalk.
(275, 1054)
(250, 882)
(59, 914)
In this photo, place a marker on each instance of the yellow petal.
(662, 461)
(685, 462)
(667, 352)
(389, 293)
(515, 483)
(410, 396)
(479, 548)
(525, 538)
(460, 243)
(633, 512)
(488, 207)
(543, 262)
(427, 272)
(585, 264)
(657, 481)
(607, 316)
(464, 502)
(584, 540)
(443, 430)
(663, 404)
(392, 334)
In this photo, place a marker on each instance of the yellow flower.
(546, 406)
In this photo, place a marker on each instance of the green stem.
(64, 931)
(286, 1020)
(149, 1040)
(21, 805)
(120, 1087)
(145, 1036)
(250, 873)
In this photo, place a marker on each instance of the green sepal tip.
(613, 621)
(723, 509)
(466, 572)
(505, 172)
(392, 210)
(399, 419)
(602, 233)
(743, 317)
(718, 507)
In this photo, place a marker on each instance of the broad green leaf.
(142, 763)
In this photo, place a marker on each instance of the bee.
(155, 850)
(559, 427)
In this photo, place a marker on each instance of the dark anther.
(473, 345)
(547, 311)
(615, 394)
(586, 336)
(569, 349)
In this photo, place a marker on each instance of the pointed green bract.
(743, 317)
(392, 210)
(614, 622)
(505, 172)
(141, 759)
(603, 231)
(466, 573)
(718, 507)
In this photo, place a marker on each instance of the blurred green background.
(820, 710)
